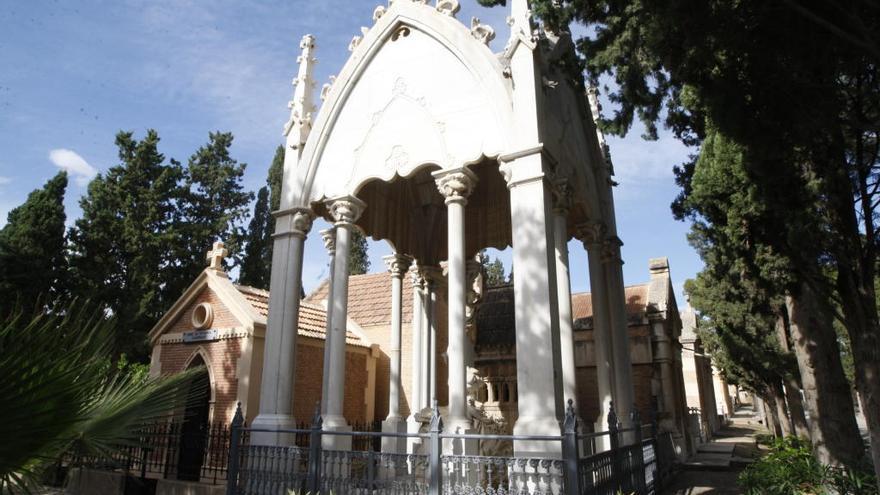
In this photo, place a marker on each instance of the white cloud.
(4, 180)
(74, 164)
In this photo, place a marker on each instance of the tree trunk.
(795, 404)
(782, 417)
(772, 417)
(793, 397)
(833, 429)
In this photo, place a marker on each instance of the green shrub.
(790, 468)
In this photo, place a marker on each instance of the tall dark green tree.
(358, 257)
(33, 268)
(796, 83)
(276, 174)
(213, 206)
(748, 288)
(493, 270)
(122, 247)
(255, 265)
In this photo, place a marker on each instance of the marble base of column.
(336, 442)
(394, 445)
(273, 422)
(459, 446)
(537, 448)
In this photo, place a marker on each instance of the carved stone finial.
(482, 32)
(329, 238)
(354, 43)
(455, 185)
(301, 106)
(325, 89)
(216, 256)
(378, 12)
(345, 210)
(448, 7)
(397, 264)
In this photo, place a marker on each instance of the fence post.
(313, 482)
(639, 457)
(613, 434)
(234, 440)
(570, 457)
(434, 471)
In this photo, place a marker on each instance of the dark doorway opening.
(194, 431)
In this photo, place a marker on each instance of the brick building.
(221, 325)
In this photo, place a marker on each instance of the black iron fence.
(161, 451)
(622, 459)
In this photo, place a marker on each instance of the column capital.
(345, 210)
(592, 234)
(295, 222)
(397, 264)
(561, 196)
(329, 237)
(456, 184)
(434, 275)
(417, 276)
(610, 250)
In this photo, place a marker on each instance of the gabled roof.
(251, 307)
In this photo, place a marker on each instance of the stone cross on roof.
(216, 256)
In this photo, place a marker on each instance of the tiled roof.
(369, 298)
(312, 317)
(496, 319)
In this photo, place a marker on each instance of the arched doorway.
(194, 430)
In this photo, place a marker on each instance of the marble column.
(279, 355)
(433, 283)
(329, 237)
(418, 318)
(561, 205)
(397, 264)
(624, 395)
(456, 185)
(539, 398)
(592, 235)
(345, 211)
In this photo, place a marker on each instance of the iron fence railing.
(621, 459)
(157, 450)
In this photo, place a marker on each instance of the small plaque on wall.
(200, 336)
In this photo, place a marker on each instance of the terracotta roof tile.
(496, 319)
(312, 317)
(369, 298)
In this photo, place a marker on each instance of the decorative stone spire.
(215, 257)
(301, 106)
(520, 16)
(596, 111)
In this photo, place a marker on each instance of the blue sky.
(75, 73)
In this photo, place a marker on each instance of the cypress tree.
(255, 268)
(33, 268)
(121, 247)
(213, 206)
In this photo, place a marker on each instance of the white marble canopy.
(422, 92)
